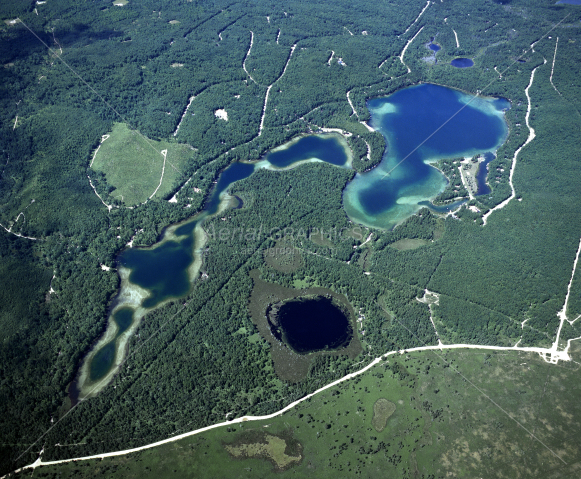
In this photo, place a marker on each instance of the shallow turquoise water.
(105, 357)
(163, 271)
(420, 123)
(381, 197)
(324, 149)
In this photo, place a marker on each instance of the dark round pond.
(309, 325)
(462, 63)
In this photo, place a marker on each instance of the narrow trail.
(406, 47)
(543, 352)
(417, 18)
(164, 154)
(530, 138)
(357, 115)
(563, 313)
(426, 300)
(351, 105)
(103, 138)
(8, 230)
(192, 98)
(368, 150)
(553, 67)
(383, 62)
(109, 207)
(277, 36)
(246, 56)
(328, 62)
(456, 36)
(261, 127)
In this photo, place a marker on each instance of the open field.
(135, 167)
(442, 426)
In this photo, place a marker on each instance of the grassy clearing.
(408, 244)
(382, 410)
(133, 165)
(441, 425)
(262, 445)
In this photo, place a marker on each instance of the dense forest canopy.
(73, 71)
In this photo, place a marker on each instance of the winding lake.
(164, 271)
(420, 124)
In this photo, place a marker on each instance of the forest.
(274, 68)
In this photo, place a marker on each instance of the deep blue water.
(123, 317)
(313, 325)
(232, 174)
(102, 361)
(424, 122)
(462, 63)
(163, 270)
(325, 149)
(419, 123)
(434, 47)
(483, 188)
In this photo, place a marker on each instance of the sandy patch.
(222, 114)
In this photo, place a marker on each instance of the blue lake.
(434, 47)
(312, 325)
(163, 270)
(381, 197)
(326, 149)
(462, 63)
(483, 188)
(420, 124)
(106, 356)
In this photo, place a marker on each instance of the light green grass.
(133, 164)
(408, 244)
(441, 425)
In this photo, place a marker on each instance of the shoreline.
(132, 296)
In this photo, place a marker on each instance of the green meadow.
(133, 164)
(455, 414)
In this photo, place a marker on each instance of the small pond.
(462, 63)
(310, 325)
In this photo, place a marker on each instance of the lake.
(310, 325)
(421, 124)
(326, 149)
(382, 197)
(462, 63)
(434, 46)
(163, 271)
